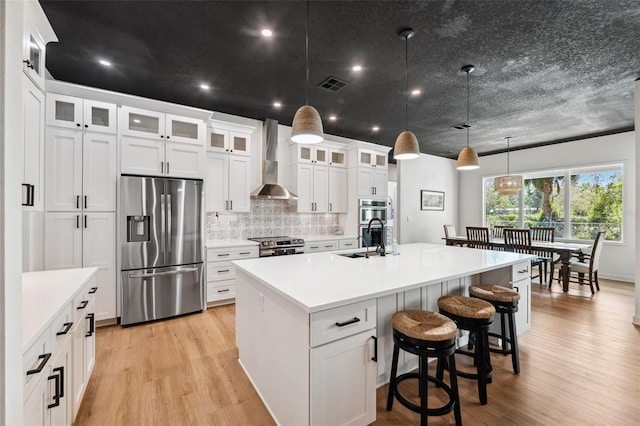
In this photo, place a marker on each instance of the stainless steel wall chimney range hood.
(270, 189)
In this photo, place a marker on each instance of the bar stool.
(505, 300)
(426, 334)
(476, 316)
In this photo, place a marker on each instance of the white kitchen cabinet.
(156, 125)
(32, 178)
(337, 190)
(221, 273)
(348, 243)
(324, 245)
(311, 184)
(370, 158)
(339, 371)
(37, 32)
(80, 171)
(309, 154)
(74, 240)
(372, 182)
(80, 114)
(337, 157)
(156, 158)
(229, 138)
(227, 183)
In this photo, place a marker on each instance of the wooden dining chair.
(478, 237)
(588, 267)
(498, 230)
(547, 234)
(449, 231)
(519, 241)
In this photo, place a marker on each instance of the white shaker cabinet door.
(35, 405)
(365, 181)
(184, 161)
(33, 144)
(380, 182)
(321, 188)
(60, 367)
(337, 190)
(239, 190)
(63, 170)
(63, 240)
(99, 250)
(64, 111)
(216, 182)
(142, 156)
(99, 172)
(304, 188)
(343, 381)
(99, 116)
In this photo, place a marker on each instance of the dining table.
(563, 249)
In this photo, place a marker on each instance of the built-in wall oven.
(370, 209)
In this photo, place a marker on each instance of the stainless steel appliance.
(370, 209)
(374, 237)
(162, 226)
(279, 246)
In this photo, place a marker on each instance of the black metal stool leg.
(454, 388)
(482, 367)
(424, 370)
(392, 379)
(503, 328)
(515, 358)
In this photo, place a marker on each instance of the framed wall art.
(431, 200)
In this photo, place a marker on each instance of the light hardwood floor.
(580, 365)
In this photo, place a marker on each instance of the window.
(577, 202)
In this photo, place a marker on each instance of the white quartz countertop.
(230, 243)
(319, 281)
(45, 294)
(314, 238)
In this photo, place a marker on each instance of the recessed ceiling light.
(357, 68)
(277, 104)
(204, 86)
(267, 32)
(333, 118)
(104, 62)
(375, 128)
(415, 92)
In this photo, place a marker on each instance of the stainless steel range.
(279, 246)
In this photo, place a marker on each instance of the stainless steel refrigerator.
(162, 227)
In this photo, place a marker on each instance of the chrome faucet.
(380, 249)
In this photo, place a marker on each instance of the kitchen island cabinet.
(314, 330)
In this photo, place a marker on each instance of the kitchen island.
(314, 330)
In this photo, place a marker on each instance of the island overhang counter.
(314, 331)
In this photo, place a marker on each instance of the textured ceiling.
(546, 71)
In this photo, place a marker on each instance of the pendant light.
(508, 185)
(468, 158)
(307, 125)
(406, 146)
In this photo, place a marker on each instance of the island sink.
(359, 255)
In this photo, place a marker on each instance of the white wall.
(618, 259)
(431, 173)
(636, 317)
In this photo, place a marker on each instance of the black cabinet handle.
(77, 124)
(85, 220)
(516, 288)
(56, 397)
(65, 330)
(28, 62)
(314, 247)
(83, 304)
(245, 252)
(168, 136)
(93, 290)
(375, 349)
(44, 359)
(77, 201)
(30, 195)
(86, 126)
(161, 136)
(92, 324)
(222, 270)
(223, 291)
(85, 201)
(223, 254)
(351, 321)
(61, 370)
(78, 221)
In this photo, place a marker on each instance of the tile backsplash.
(270, 218)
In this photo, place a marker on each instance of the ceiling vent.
(333, 84)
(461, 126)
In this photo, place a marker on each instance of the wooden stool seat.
(466, 307)
(494, 293)
(424, 325)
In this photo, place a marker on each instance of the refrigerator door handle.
(157, 274)
(162, 224)
(169, 241)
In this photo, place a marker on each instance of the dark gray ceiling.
(546, 71)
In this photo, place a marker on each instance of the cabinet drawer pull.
(77, 201)
(45, 359)
(220, 271)
(93, 290)
(78, 221)
(523, 271)
(92, 324)
(85, 220)
(83, 304)
(85, 201)
(329, 246)
(244, 253)
(168, 162)
(30, 194)
(28, 63)
(348, 244)
(65, 330)
(61, 370)
(375, 349)
(56, 396)
(516, 288)
(351, 321)
(223, 290)
(223, 254)
(314, 247)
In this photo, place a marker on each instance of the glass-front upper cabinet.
(230, 138)
(158, 125)
(184, 129)
(37, 33)
(311, 154)
(372, 158)
(81, 114)
(337, 158)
